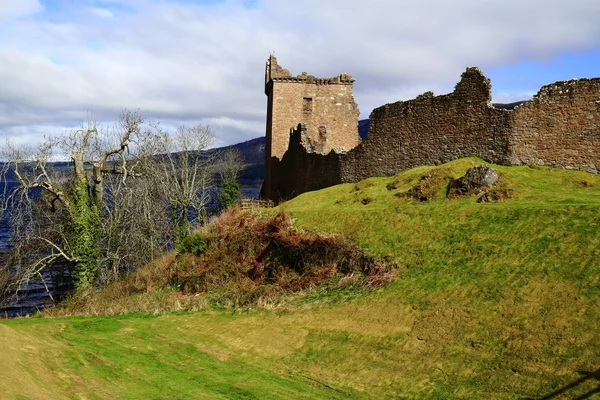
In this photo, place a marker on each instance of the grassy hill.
(494, 300)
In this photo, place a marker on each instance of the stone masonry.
(432, 130)
(559, 127)
(325, 107)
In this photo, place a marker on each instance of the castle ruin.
(324, 106)
(559, 127)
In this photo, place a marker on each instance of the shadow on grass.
(585, 377)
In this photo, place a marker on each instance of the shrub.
(230, 190)
(249, 260)
(195, 244)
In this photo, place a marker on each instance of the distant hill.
(509, 106)
(253, 150)
(363, 128)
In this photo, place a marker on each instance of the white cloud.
(102, 12)
(16, 8)
(205, 62)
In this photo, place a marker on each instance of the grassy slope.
(505, 296)
(498, 300)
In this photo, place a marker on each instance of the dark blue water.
(34, 297)
(4, 224)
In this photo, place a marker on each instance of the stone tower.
(325, 107)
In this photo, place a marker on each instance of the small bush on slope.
(259, 260)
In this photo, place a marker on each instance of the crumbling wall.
(301, 169)
(431, 130)
(327, 109)
(560, 127)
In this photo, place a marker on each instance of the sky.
(202, 61)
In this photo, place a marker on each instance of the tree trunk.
(85, 228)
(80, 173)
(98, 184)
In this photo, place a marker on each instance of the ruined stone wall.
(431, 130)
(301, 169)
(560, 127)
(328, 111)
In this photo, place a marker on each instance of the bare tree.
(135, 228)
(231, 162)
(182, 172)
(64, 221)
(124, 196)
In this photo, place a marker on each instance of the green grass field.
(491, 301)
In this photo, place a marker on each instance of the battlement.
(572, 88)
(275, 73)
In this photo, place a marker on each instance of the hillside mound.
(238, 260)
